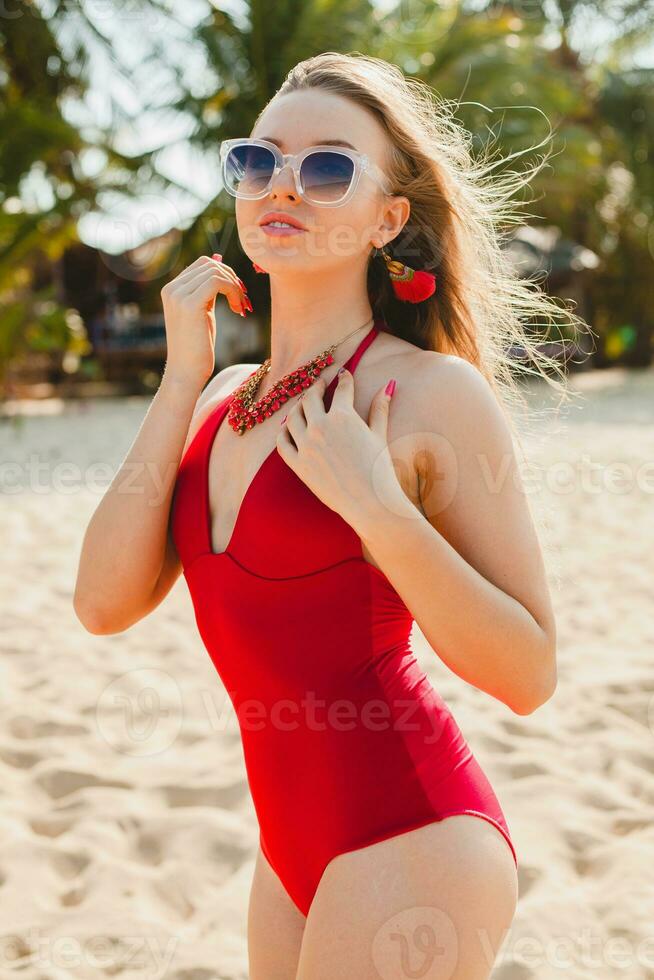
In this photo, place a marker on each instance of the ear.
(396, 213)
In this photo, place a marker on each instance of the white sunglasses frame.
(362, 164)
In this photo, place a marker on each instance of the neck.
(314, 311)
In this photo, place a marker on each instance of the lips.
(281, 216)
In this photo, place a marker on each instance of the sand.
(128, 836)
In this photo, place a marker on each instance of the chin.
(286, 260)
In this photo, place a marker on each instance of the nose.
(283, 184)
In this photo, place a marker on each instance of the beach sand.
(127, 833)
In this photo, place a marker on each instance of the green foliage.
(511, 65)
(40, 146)
(514, 88)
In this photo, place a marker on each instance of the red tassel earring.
(409, 285)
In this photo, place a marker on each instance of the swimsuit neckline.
(216, 418)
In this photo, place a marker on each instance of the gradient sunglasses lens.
(325, 176)
(248, 169)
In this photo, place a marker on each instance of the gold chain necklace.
(245, 412)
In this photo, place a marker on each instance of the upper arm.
(218, 387)
(471, 489)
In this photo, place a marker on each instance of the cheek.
(246, 212)
(247, 218)
(348, 230)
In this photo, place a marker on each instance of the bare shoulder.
(224, 383)
(216, 390)
(445, 421)
(435, 391)
(449, 395)
(437, 371)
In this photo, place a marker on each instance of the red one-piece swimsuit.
(345, 740)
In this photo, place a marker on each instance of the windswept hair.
(463, 207)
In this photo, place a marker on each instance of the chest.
(246, 472)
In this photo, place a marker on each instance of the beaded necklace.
(245, 412)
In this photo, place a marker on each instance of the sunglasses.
(324, 175)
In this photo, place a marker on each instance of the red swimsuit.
(345, 740)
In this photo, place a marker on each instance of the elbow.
(91, 618)
(538, 693)
(527, 706)
(104, 622)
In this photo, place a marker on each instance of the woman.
(350, 504)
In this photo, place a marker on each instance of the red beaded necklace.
(244, 412)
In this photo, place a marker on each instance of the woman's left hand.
(343, 460)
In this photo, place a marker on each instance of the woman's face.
(333, 235)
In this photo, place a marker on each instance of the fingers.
(295, 422)
(286, 447)
(220, 265)
(211, 265)
(311, 401)
(344, 390)
(244, 299)
(198, 270)
(213, 282)
(191, 271)
(206, 277)
(378, 415)
(310, 406)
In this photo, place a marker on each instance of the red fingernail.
(217, 255)
(390, 388)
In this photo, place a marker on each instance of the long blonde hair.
(461, 212)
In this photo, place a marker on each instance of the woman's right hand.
(188, 304)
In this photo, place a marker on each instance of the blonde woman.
(316, 513)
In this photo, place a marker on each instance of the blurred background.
(109, 179)
(127, 834)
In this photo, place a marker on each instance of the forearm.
(483, 634)
(125, 542)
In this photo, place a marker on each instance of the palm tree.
(514, 88)
(44, 68)
(246, 61)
